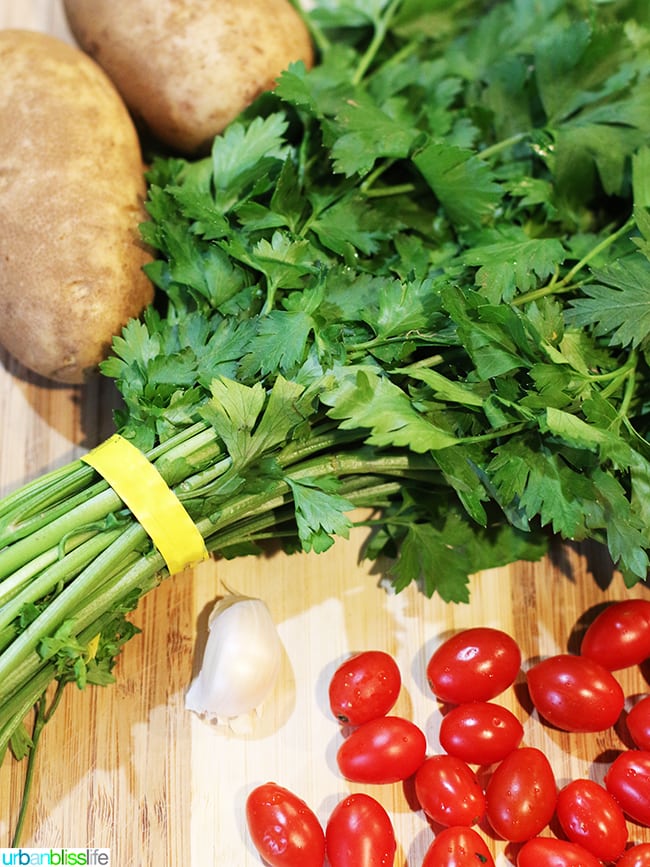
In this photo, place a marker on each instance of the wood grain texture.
(126, 767)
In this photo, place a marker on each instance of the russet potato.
(186, 68)
(71, 200)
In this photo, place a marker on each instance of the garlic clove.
(240, 664)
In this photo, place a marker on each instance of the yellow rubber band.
(157, 508)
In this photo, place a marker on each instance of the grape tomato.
(619, 637)
(476, 664)
(636, 856)
(364, 687)
(458, 847)
(628, 782)
(449, 792)
(283, 829)
(360, 833)
(480, 732)
(574, 693)
(590, 816)
(637, 722)
(521, 794)
(549, 852)
(383, 750)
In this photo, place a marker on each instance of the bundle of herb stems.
(416, 280)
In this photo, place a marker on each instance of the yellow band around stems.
(157, 508)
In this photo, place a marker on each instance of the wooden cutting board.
(126, 767)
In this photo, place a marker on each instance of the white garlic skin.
(241, 660)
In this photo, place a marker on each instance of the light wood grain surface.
(126, 767)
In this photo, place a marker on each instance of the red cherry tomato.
(382, 750)
(575, 694)
(636, 856)
(548, 852)
(284, 830)
(521, 794)
(458, 847)
(449, 792)
(619, 637)
(480, 732)
(474, 665)
(590, 816)
(628, 782)
(638, 723)
(364, 687)
(359, 833)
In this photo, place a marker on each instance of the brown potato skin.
(71, 199)
(186, 68)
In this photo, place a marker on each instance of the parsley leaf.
(618, 304)
(464, 185)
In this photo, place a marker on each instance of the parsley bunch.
(416, 280)
(435, 246)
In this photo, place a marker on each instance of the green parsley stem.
(555, 287)
(321, 41)
(505, 431)
(381, 26)
(615, 375)
(13, 599)
(380, 168)
(50, 533)
(499, 146)
(60, 606)
(21, 702)
(43, 713)
(599, 248)
(384, 192)
(630, 382)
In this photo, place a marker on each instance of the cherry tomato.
(382, 750)
(548, 852)
(619, 637)
(520, 795)
(480, 732)
(284, 830)
(590, 816)
(636, 856)
(458, 847)
(359, 833)
(628, 782)
(449, 792)
(575, 694)
(364, 687)
(638, 723)
(474, 665)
